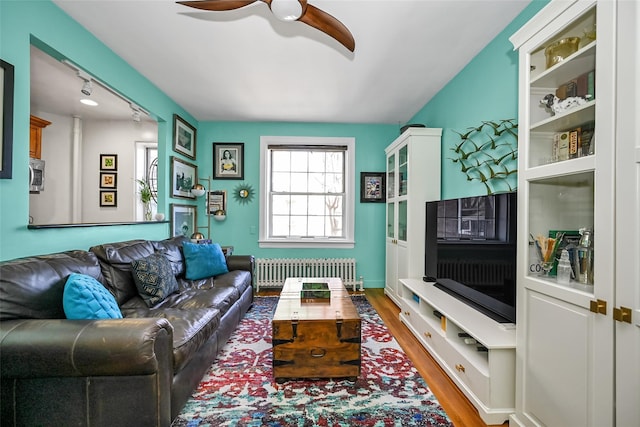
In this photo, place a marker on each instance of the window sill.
(307, 243)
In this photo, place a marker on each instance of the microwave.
(36, 175)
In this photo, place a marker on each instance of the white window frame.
(348, 240)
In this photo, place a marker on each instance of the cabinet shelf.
(570, 68)
(571, 118)
(562, 168)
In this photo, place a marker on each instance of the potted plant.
(145, 198)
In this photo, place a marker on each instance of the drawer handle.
(459, 367)
(427, 334)
(318, 352)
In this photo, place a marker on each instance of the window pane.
(299, 182)
(334, 205)
(335, 183)
(299, 225)
(280, 161)
(317, 161)
(316, 205)
(334, 226)
(316, 183)
(299, 205)
(316, 226)
(299, 161)
(280, 182)
(280, 204)
(335, 161)
(280, 226)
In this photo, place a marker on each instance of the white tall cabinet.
(413, 178)
(578, 345)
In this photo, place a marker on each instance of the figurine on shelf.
(557, 106)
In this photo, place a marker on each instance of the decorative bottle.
(564, 268)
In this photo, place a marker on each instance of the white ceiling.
(245, 65)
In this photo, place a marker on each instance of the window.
(307, 192)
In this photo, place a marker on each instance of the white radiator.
(272, 272)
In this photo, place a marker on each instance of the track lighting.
(87, 88)
(135, 112)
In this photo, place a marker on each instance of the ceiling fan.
(287, 10)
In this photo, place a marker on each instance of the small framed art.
(217, 201)
(109, 162)
(228, 160)
(183, 178)
(184, 137)
(372, 187)
(183, 220)
(108, 180)
(108, 198)
(7, 74)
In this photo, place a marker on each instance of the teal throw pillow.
(86, 298)
(204, 261)
(154, 278)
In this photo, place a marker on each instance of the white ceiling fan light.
(286, 10)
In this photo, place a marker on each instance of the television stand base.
(478, 353)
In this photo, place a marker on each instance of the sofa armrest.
(79, 348)
(242, 262)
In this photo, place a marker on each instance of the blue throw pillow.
(86, 298)
(154, 278)
(203, 260)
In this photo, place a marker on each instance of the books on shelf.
(583, 86)
(573, 143)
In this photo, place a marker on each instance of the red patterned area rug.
(239, 389)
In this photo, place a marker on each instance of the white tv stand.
(442, 324)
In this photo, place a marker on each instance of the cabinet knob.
(427, 334)
(622, 314)
(459, 367)
(598, 306)
(407, 313)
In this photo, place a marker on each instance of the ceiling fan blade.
(217, 5)
(328, 24)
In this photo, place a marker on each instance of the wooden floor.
(461, 412)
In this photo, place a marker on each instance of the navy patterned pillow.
(154, 278)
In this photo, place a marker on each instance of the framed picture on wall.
(183, 220)
(184, 137)
(372, 187)
(183, 178)
(108, 180)
(6, 119)
(109, 162)
(217, 201)
(228, 160)
(108, 199)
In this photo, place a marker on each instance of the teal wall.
(47, 26)
(485, 90)
(236, 229)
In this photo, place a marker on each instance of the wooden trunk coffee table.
(315, 336)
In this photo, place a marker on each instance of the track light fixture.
(87, 88)
(135, 112)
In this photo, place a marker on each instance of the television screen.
(470, 251)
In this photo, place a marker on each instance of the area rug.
(239, 389)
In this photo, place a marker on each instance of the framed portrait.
(108, 180)
(217, 201)
(184, 137)
(183, 178)
(228, 160)
(6, 121)
(183, 220)
(109, 162)
(108, 198)
(372, 187)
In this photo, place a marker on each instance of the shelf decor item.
(184, 137)
(558, 51)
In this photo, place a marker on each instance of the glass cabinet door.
(402, 166)
(402, 220)
(391, 220)
(391, 176)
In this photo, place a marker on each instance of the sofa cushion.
(86, 298)
(172, 249)
(32, 287)
(154, 278)
(204, 260)
(115, 261)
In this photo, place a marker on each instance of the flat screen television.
(470, 252)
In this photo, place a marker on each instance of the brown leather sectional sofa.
(135, 371)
